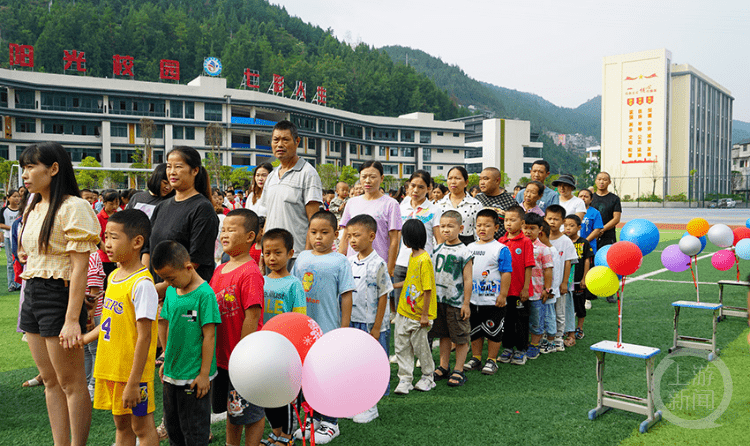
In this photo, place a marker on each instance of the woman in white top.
(253, 197)
(458, 200)
(565, 185)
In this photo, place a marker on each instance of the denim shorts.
(44, 306)
(542, 318)
(225, 398)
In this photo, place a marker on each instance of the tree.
(5, 169)
(736, 180)
(138, 163)
(89, 179)
(389, 181)
(439, 179)
(147, 133)
(523, 181)
(214, 136)
(590, 170)
(349, 175)
(505, 180)
(654, 175)
(329, 175)
(241, 177)
(473, 180)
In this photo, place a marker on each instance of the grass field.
(544, 402)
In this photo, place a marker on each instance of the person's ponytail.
(203, 183)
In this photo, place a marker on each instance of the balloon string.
(619, 319)
(308, 413)
(693, 274)
(737, 262)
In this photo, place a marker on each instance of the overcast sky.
(550, 48)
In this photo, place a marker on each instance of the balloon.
(602, 281)
(741, 233)
(723, 260)
(743, 249)
(697, 227)
(302, 331)
(600, 259)
(747, 223)
(641, 232)
(346, 372)
(703, 240)
(624, 258)
(690, 245)
(721, 236)
(674, 260)
(265, 369)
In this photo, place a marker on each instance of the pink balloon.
(723, 260)
(345, 372)
(674, 260)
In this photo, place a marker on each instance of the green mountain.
(740, 131)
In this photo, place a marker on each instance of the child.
(548, 344)
(591, 225)
(191, 312)
(585, 254)
(531, 196)
(516, 325)
(337, 204)
(417, 307)
(256, 249)
(554, 216)
(283, 293)
(94, 301)
(491, 281)
(127, 336)
(238, 286)
(8, 214)
(371, 287)
(453, 271)
(111, 200)
(542, 314)
(327, 279)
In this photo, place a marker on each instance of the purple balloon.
(674, 260)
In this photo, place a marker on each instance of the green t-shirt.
(187, 314)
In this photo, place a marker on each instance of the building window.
(407, 135)
(4, 151)
(527, 167)
(456, 151)
(303, 122)
(175, 109)
(158, 156)
(118, 129)
(474, 153)
(426, 154)
(408, 169)
(158, 131)
(408, 151)
(122, 156)
(390, 169)
(394, 151)
(382, 151)
(532, 152)
(368, 150)
(138, 107)
(455, 135)
(386, 135)
(425, 137)
(189, 110)
(213, 112)
(353, 149)
(178, 132)
(439, 133)
(352, 131)
(25, 125)
(66, 102)
(439, 167)
(4, 99)
(440, 150)
(25, 99)
(190, 133)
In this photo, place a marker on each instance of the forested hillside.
(242, 33)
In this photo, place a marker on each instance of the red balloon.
(301, 330)
(740, 233)
(624, 258)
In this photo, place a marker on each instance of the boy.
(585, 254)
(238, 286)
(591, 225)
(127, 336)
(548, 344)
(337, 204)
(111, 200)
(453, 287)
(371, 287)
(563, 247)
(542, 314)
(191, 312)
(516, 326)
(327, 279)
(491, 277)
(94, 301)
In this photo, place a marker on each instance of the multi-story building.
(100, 117)
(741, 164)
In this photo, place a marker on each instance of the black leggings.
(281, 417)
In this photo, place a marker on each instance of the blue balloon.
(641, 232)
(600, 259)
(747, 222)
(702, 239)
(742, 249)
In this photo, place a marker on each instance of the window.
(426, 155)
(440, 150)
(527, 167)
(178, 132)
(329, 127)
(353, 149)
(368, 133)
(394, 151)
(439, 133)
(390, 169)
(532, 152)
(408, 169)
(139, 107)
(4, 99)
(408, 151)
(66, 102)
(25, 99)
(425, 137)
(189, 110)
(456, 151)
(303, 122)
(439, 167)
(122, 156)
(78, 153)
(407, 135)
(175, 109)
(213, 112)
(455, 135)
(26, 125)
(158, 156)
(368, 150)
(118, 129)
(158, 131)
(382, 151)
(190, 133)
(386, 135)
(474, 153)
(352, 131)
(4, 151)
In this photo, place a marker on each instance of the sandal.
(161, 431)
(159, 361)
(457, 379)
(33, 382)
(473, 364)
(569, 342)
(443, 374)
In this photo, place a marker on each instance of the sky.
(550, 48)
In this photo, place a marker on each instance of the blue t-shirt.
(324, 278)
(592, 220)
(282, 296)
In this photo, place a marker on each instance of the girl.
(438, 192)
(260, 175)
(158, 189)
(60, 230)
(531, 196)
(7, 216)
(459, 200)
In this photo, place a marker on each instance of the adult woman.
(458, 200)
(60, 230)
(259, 181)
(158, 189)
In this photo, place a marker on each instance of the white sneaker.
(559, 345)
(326, 432)
(419, 364)
(392, 359)
(587, 305)
(216, 417)
(366, 416)
(310, 424)
(425, 384)
(403, 387)
(91, 392)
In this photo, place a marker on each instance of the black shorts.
(487, 322)
(226, 399)
(448, 324)
(44, 306)
(579, 302)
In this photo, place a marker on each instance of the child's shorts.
(542, 318)
(225, 398)
(108, 396)
(579, 302)
(487, 322)
(449, 324)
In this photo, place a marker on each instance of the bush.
(650, 198)
(627, 198)
(679, 197)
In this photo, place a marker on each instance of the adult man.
(293, 191)
(608, 204)
(493, 196)
(540, 172)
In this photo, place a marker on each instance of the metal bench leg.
(600, 407)
(721, 301)
(675, 335)
(714, 351)
(653, 418)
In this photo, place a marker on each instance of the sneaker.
(505, 356)
(366, 416)
(473, 364)
(392, 359)
(490, 367)
(216, 417)
(403, 387)
(579, 333)
(326, 432)
(418, 364)
(532, 352)
(519, 357)
(559, 345)
(425, 384)
(547, 347)
(587, 305)
(310, 424)
(612, 299)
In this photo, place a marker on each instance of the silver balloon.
(721, 236)
(690, 245)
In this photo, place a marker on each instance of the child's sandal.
(457, 379)
(569, 342)
(443, 374)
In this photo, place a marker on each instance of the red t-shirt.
(522, 255)
(255, 253)
(236, 291)
(103, 217)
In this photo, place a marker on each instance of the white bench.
(680, 341)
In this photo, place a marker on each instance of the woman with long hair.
(459, 200)
(260, 175)
(60, 230)
(157, 189)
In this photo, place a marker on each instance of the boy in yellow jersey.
(124, 369)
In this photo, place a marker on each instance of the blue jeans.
(382, 340)
(11, 273)
(89, 356)
(542, 318)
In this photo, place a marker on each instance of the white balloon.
(265, 369)
(721, 235)
(690, 245)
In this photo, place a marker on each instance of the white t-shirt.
(145, 300)
(491, 260)
(258, 208)
(9, 215)
(371, 280)
(429, 214)
(565, 250)
(573, 206)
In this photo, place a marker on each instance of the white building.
(741, 164)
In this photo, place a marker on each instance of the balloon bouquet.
(614, 262)
(342, 373)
